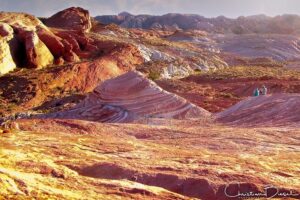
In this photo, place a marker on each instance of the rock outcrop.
(22, 46)
(270, 110)
(37, 53)
(21, 20)
(131, 97)
(72, 19)
(6, 61)
(27, 42)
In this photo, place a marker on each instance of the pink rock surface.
(131, 97)
(277, 109)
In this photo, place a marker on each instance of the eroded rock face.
(21, 45)
(6, 61)
(71, 18)
(27, 42)
(131, 97)
(37, 53)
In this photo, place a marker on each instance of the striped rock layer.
(276, 109)
(131, 97)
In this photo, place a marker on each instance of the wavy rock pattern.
(277, 109)
(275, 46)
(130, 97)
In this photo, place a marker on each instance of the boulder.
(7, 63)
(73, 18)
(37, 53)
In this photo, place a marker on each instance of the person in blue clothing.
(256, 92)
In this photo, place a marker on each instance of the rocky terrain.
(130, 97)
(274, 39)
(282, 24)
(149, 107)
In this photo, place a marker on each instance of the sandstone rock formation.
(27, 42)
(277, 47)
(130, 97)
(21, 20)
(6, 61)
(153, 55)
(71, 18)
(271, 110)
(37, 53)
(23, 47)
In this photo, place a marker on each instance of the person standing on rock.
(256, 92)
(264, 90)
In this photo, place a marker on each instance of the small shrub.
(154, 75)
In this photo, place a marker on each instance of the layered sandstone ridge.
(131, 97)
(277, 109)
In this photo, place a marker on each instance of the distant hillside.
(284, 24)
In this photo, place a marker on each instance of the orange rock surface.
(163, 159)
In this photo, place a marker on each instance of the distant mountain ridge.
(282, 24)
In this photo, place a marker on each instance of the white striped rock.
(131, 97)
(276, 109)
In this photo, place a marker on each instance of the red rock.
(130, 97)
(59, 61)
(53, 42)
(63, 44)
(37, 54)
(79, 42)
(71, 40)
(91, 48)
(71, 18)
(71, 57)
(6, 131)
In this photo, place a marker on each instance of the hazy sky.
(208, 8)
